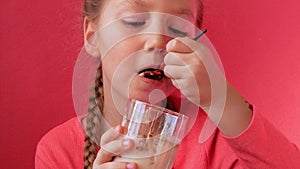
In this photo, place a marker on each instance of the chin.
(150, 91)
(148, 99)
(150, 95)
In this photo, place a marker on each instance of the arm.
(254, 140)
(261, 145)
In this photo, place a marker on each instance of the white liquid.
(151, 156)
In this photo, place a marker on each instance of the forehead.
(170, 3)
(183, 7)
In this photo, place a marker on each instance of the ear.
(91, 43)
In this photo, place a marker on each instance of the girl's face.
(132, 37)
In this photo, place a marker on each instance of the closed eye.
(177, 32)
(133, 22)
(136, 23)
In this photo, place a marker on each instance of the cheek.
(119, 53)
(119, 66)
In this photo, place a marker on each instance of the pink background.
(258, 42)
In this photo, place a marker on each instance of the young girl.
(244, 139)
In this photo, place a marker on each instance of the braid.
(93, 121)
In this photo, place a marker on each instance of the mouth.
(151, 73)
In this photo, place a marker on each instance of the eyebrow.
(139, 3)
(143, 4)
(184, 11)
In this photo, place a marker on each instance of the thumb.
(177, 45)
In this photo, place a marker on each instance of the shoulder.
(70, 130)
(59, 144)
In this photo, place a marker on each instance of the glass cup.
(156, 133)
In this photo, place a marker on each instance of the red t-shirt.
(260, 146)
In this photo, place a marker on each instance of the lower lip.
(147, 80)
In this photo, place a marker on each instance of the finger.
(113, 148)
(176, 45)
(188, 88)
(117, 147)
(177, 72)
(173, 59)
(117, 165)
(189, 83)
(181, 59)
(111, 134)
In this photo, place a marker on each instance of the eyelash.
(178, 32)
(141, 23)
(135, 24)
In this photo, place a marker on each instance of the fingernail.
(171, 44)
(131, 166)
(126, 143)
(118, 128)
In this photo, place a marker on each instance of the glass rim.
(162, 109)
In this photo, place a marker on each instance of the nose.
(156, 41)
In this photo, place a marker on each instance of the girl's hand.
(187, 71)
(111, 146)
